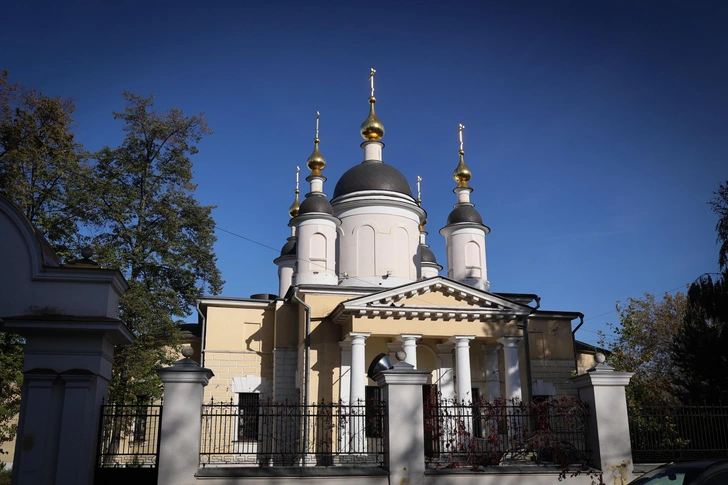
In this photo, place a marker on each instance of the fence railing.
(487, 433)
(129, 435)
(668, 433)
(293, 434)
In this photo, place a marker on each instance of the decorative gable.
(436, 298)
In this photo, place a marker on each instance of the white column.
(358, 366)
(345, 372)
(446, 377)
(513, 371)
(462, 366)
(409, 345)
(357, 393)
(492, 371)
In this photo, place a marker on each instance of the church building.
(357, 278)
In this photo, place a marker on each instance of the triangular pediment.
(433, 298)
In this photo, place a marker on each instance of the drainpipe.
(573, 341)
(204, 332)
(306, 363)
(529, 371)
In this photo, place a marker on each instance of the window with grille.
(140, 423)
(374, 412)
(248, 416)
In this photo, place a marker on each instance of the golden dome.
(372, 129)
(293, 210)
(462, 173)
(316, 162)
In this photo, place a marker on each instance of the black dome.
(464, 213)
(427, 256)
(372, 176)
(289, 249)
(315, 203)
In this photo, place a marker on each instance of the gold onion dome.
(316, 162)
(293, 210)
(462, 173)
(372, 129)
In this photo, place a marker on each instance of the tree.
(148, 224)
(11, 379)
(699, 349)
(643, 344)
(719, 204)
(40, 169)
(41, 165)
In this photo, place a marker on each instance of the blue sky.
(595, 131)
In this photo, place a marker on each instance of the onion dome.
(315, 203)
(295, 207)
(372, 129)
(289, 249)
(464, 214)
(462, 173)
(372, 175)
(426, 254)
(316, 162)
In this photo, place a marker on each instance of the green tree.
(40, 170)
(11, 379)
(41, 165)
(642, 344)
(699, 349)
(719, 204)
(148, 224)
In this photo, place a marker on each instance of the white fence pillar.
(402, 391)
(602, 388)
(179, 437)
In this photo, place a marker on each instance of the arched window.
(473, 264)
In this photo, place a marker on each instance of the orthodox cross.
(419, 193)
(318, 115)
(460, 134)
(298, 169)
(371, 80)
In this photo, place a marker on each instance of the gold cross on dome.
(318, 115)
(461, 127)
(371, 80)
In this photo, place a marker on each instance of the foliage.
(719, 204)
(5, 475)
(643, 344)
(11, 378)
(699, 349)
(41, 165)
(486, 433)
(148, 224)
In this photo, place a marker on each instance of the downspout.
(204, 333)
(306, 363)
(529, 370)
(573, 341)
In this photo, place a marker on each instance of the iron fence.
(667, 433)
(292, 434)
(487, 433)
(129, 435)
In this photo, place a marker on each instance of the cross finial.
(298, 169)
(318, 115)
(419, 192)
(371, 80)
(461, 127)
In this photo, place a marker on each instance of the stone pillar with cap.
(602, 389)
(179, 437)
(402, 391)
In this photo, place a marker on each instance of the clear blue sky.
(596, 131)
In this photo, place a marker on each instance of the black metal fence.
(663, 433)
(129, 435)
(256, 433)
(487, 433)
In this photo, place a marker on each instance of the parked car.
(706, 472)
